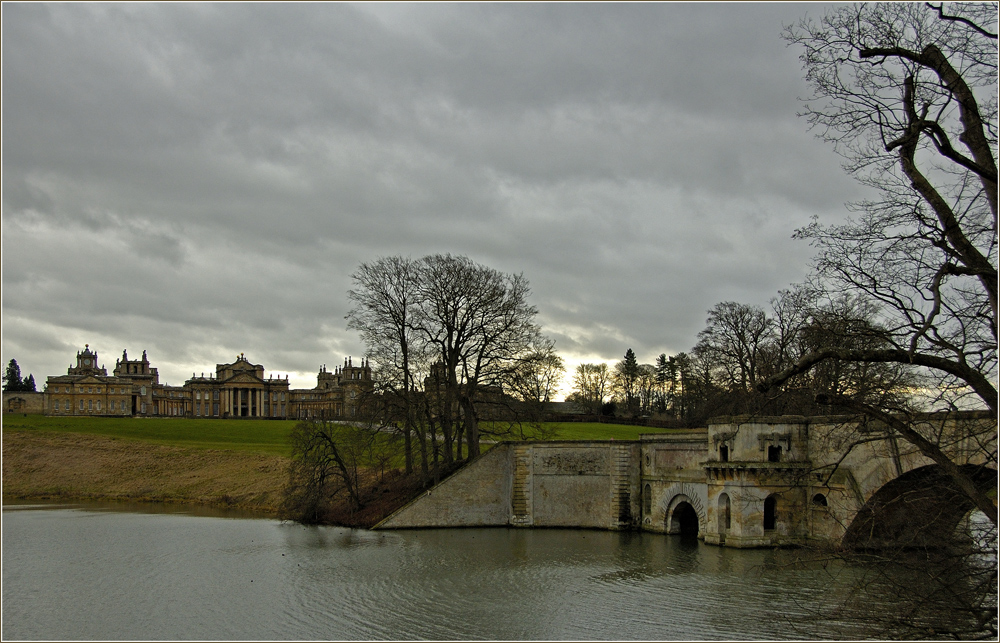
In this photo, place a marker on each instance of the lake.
(104, 572)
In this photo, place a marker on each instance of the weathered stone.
(742, 482)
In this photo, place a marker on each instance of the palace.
(236, 390)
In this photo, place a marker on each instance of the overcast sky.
(200, 180)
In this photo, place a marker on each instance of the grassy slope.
(258, 436)
(49, 464)
(227, 463)
(598, 431)
(270, 436)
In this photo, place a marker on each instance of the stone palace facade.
(236, 390)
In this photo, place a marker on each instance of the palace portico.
(236, 390)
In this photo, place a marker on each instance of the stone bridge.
(740, 482)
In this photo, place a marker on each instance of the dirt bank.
(46, 465)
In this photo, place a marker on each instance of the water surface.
(87, 572)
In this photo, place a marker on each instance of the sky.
(200, 180)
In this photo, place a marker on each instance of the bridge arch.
(685, 516)
(920, 508)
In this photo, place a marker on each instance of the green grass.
(259, 436)
(588, 431)
(264, 436)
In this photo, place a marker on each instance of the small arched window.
(770, 512)
(723, 453)
(819, 500)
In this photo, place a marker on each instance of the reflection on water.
(90, 573)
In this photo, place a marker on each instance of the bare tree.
(328, 458)
(590, 386)
(385, 298)
(907, 94)
(535, 377)
(480, 324)
(447, 336)
(735, 340)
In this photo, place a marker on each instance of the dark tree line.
(740, 348)
(12, 380)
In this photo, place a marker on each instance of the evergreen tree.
(626, 382)
(29, 383)
(12, 377)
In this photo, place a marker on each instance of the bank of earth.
(230, 464)
(46, 465)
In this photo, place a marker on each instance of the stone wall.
(742, 482)
(28, 402)
(671, 473)
(477, 495)
(544, 484)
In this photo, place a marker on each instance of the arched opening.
(684, 520)
(725, 518)
(774, 454)
(819, 500)
(724, 453)
(770, 511)
(919, 509)
(647, 500)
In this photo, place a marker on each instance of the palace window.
(90, 405)
(98, 405)
(81, 405)
(774, 454)
(215, 396)
(142, 391)
(55, 405)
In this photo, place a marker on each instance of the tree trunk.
(471, 427)
(408, 448)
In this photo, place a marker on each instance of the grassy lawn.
(595, 431)
(262, 436)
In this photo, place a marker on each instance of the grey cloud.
(201, 179)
